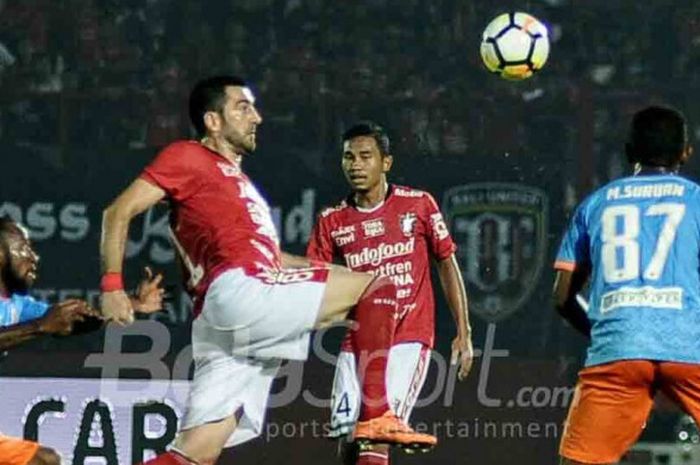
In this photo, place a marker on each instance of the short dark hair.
(372, 129)
(209, 95)
(658, 136)
(7, 226)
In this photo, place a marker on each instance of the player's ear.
(212, 120)
(687, 153)
(387, 162)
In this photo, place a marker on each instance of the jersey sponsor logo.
(272, 276)
(439, 227)
(329, 210)
(344, 235)
(258, 210)
(647, 296)
(501, 229)
(376, 255)
(407, 223)
(228, 170)
(401, 192)
(373, 228)
(263, 249)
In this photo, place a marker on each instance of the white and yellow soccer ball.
(515, 45)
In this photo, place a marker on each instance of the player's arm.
(456, 296)
(567, 285)
(58, 320)
(320, 247)
(136, 199)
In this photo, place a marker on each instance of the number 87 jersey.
(640, 238)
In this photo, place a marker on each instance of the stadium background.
(92, 88)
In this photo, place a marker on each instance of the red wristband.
(317, 263)
(111, 282)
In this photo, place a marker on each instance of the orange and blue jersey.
(640, 238)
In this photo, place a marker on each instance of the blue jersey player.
(637, 242)
(23, 318)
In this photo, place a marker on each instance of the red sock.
(373, 458)
(375, 314)
(168, 458)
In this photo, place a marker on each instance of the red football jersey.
(218, 218)
(395, 239)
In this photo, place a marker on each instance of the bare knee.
(200, 454)
(45, 456)
(207, 460)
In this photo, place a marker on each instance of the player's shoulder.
(334, 210)
(185, 153)
(22, 300)
(185, 150)
(649, 186)
(184, 146)
(410, 192)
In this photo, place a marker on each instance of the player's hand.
(462, 353)
(117, 307)
(60, 318)
(149, 294)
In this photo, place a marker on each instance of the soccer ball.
(515, 45)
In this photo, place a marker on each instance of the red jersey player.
(251, 308)
(390, 231)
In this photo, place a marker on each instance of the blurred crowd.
(116, 72)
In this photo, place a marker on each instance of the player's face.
(363, 163)
(240, 119)
(20, 268)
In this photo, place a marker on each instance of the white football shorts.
(407, 368)
(248, 325)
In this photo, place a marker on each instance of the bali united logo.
(407, 222)
(229, 170)
(502, 231)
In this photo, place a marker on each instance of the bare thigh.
(343, 290)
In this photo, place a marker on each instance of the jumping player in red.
(254, 305)
(390, 231)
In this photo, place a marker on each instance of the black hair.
(658, 136)
(7, 226)
(209, 95)
(372, 129)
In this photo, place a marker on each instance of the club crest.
(501, 230)
(407, 223)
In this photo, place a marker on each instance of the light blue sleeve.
(5, 317)
(31, 309)
(574, 249)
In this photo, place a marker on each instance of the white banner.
(94, 421)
